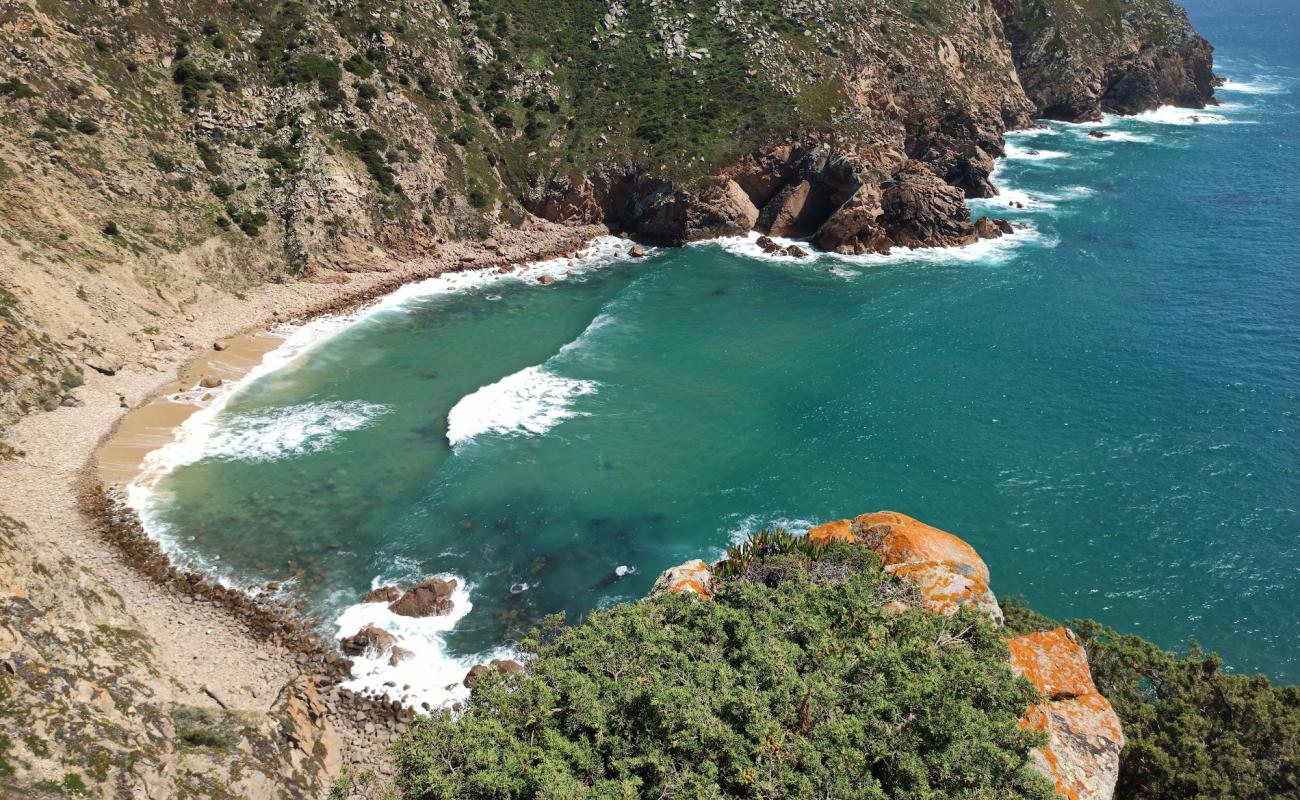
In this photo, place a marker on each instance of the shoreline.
(204, 641)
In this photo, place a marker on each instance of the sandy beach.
(63, 455)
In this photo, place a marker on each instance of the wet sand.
(148, 427)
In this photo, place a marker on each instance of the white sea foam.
(1125, 136)
(1172, 115)
(430, 675)
(288, 431)
(747, 246)
(1257, 86)
(531, 401)
(1015, 152)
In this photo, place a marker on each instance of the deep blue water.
(1105, 405)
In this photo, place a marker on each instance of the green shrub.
(369, 146)
(1192, 730)
(806, 690)
(209, 156)
(87, 126)
(56, 120)
(16, 88)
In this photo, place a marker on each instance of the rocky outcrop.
(1085, 736)
(947, 571)
(367, 640)
(428, 598)
(1077, 60)
(693, 577)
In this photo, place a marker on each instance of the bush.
(1193, 731)
(806, 690)
(87, 126)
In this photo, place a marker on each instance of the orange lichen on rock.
(1084, 732)
(693, 577)
(841, 530)
(949, 573)
(899, 539)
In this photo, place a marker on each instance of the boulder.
(947, 571)
(693, 577)
(636, 251)
(797, 210)
(920, 210)
(209, 382)
(796, 251)
(546, 280)
(384, 594)
(426, 599)
(971, 178)
(986, 228)
(506, 666)
(721, 209)
(766, 244)
(398, 655)
(367, 640)
(1099, 134)
(475, 672)
(855, 227)
(1084, 732)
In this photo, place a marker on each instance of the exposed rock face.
(693, 577)
(1082, 756)
(1077, 59)
(947, 570)
(367, 640)
(308, 727)
(426, 599)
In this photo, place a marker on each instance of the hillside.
(157, 156)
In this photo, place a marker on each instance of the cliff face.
(157, 156)
(1079, 58)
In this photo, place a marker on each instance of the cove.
(1104, 405)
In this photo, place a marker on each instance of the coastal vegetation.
(792, 682)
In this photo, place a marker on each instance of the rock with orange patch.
(949, 573)
(841, 530)
(693, 577)
(1085, 737)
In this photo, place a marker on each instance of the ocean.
(1104, 405)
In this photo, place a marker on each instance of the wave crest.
(531, 401)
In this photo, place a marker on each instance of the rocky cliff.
(157, 157)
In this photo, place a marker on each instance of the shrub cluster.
(794, 687)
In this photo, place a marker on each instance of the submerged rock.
(426, 599)
(1085, 735)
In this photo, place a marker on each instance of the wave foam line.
(430, 675)
(531, 402)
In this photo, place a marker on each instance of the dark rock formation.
(368, 639)
(384, 594)
(426, 599)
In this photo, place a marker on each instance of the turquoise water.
(1104, 405)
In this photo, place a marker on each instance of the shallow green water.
(1104, 406)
